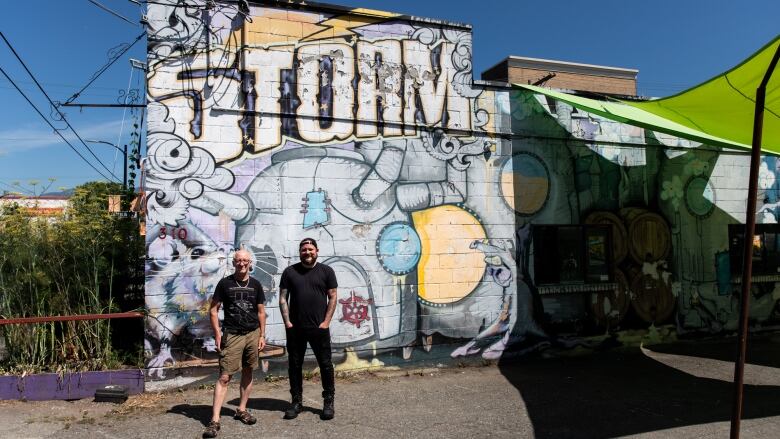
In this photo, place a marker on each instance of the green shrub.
(68, 264)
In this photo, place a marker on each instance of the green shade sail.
(718, 112)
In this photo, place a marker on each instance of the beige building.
(42, 205)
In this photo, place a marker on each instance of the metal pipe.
(124, 168)
(747, 254)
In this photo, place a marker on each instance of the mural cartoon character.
(371, 139)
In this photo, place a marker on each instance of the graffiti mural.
(670, 203)
(361, 129)
(458, 215)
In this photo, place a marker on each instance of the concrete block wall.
(697, 190)
(366, 131)
(361, 129)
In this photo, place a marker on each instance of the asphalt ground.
(682, 390)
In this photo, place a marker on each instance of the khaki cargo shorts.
(238, 351)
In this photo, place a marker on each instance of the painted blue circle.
(398, 248)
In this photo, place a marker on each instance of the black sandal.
(211, 430)
(245, 417)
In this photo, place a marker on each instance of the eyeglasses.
(242, 261)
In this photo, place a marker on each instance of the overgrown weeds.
(77, 262)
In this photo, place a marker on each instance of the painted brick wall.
(588, 165)
(366, 131)
(363, 130)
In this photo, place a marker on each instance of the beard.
(309, 259)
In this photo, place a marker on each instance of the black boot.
(328, 411)
(295, 409)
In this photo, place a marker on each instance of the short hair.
(305, 241)
(241, 250)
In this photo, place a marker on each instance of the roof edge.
(570, 67)
(339, 9)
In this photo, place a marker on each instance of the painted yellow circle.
(449, 269)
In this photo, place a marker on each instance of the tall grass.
(62, 265)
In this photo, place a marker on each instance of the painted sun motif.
(449, 269)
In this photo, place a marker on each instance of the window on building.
(766, 249)
(572, 253)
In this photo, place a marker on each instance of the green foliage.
(73, 263)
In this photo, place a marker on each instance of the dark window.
(572, 254)
(766, 249)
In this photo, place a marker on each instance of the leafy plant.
(67, 264)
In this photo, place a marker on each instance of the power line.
(104, 68)
(60, 85)
(53, 106)
(52, 126)
(25, 138)
(16, 188)
(186, 5)
(114, 13)
(105, 105)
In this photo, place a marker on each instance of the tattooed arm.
(332, 295)
(284, 307)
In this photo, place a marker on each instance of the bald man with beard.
(307, 301)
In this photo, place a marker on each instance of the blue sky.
(673, 44)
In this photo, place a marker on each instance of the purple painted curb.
(73, 385)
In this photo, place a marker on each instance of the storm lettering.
(314, 93)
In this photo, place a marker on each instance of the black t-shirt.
(308, 293)
(239, 303)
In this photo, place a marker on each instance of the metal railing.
(47, 319)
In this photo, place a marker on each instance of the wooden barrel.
(629, 213)
(651, 297)
(649, 237)
(619, 233)
(609, 307)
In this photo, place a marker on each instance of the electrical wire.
(51, 85)
(52, 126)
(100, 71)
(16, 188)
(124, 113)
(8, 43)
(114, 13)
(179, 3)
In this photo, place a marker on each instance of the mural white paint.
(362, 131)
(367, 132)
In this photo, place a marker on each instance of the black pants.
(319, 340)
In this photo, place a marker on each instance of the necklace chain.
(242, 286)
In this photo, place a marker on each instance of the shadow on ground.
(762, 351)
(200, 413)
(612, 393)
(266, 404)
